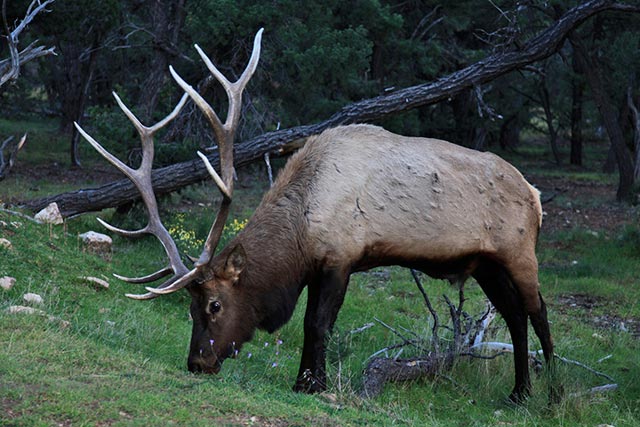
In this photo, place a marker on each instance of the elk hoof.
(517, 397)
(309, 383)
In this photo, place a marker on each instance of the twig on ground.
(582, 365)
(595, 390)
(20, 214)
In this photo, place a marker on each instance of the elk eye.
(214, 307)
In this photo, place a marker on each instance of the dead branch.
(504, 348)
(10, 67)
(596, 390)
(435, 341)
(19, 214)
(382, 370)
(467, 341)
(583, 366)
(8, 153)
(437, 356)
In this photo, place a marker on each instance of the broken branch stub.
(437, 353)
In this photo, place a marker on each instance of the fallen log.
(382, 370)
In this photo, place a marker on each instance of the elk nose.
(201, 365)
(194, 365)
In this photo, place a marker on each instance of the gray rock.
(50, 215)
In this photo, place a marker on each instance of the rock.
(4, 243)
(31, 298)
(97, 243)
(50, 215)
(7, 282)
(21, 309)
(94, 280)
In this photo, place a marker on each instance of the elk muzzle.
(205, 364)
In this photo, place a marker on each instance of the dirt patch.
(587, 308)
(571, 204)
(7, 405)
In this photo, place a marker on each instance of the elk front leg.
(325, 297)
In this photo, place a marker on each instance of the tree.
(592, 68)
(69, 77)
(10, 70)
(167, 179)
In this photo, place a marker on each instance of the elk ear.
(235, 263)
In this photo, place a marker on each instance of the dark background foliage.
(317, 57)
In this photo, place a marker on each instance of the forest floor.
(584, 204)
(588, 205)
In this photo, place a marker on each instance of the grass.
(121, 362)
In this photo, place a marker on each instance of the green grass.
(122, 362)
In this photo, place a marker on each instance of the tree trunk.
(176, 176)
(593, 74)
(577, 90)
(82, 101)
(609, 165)
(167, 18)
(548, 115)
(635, 115)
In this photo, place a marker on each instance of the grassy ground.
(123, 362)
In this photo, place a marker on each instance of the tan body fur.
(379, 198)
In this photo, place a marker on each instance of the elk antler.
(141, 177)
(224, 134)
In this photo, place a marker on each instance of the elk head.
(218, 328)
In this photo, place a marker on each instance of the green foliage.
(317, 57)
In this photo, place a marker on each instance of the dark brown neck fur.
(274, 241)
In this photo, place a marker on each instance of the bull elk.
(353, 198)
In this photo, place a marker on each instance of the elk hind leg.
(496, 284)
(525, 278)
(540, 325)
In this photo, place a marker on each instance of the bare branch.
(436, 323)
(8, 153)
(583, 366)
(10, 68)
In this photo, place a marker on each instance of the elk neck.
(277, 266)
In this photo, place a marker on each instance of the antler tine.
(215, 176)
(204, 106)
(120, 231)
(141, 297)
(104, 153)
(146, 279)
(170, 286)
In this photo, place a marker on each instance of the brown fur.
(356, 197)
